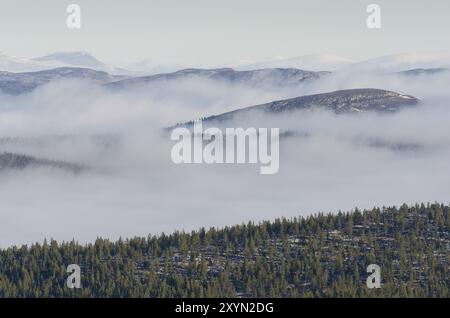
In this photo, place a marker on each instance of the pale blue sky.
(221, 31)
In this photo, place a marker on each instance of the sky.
(205, 32)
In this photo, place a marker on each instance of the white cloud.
(134, 188)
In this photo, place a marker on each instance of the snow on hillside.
(12, 63)
(313, 62)
(80, 59)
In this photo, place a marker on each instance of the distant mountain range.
(402, 62)
(330, 62)
(81, 59)
(260, 77)
(340, 102)
(23, 82)
(312, 62)
(18, 83)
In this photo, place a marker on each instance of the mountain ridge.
(268, 76)
(340, 102)
(23, 82)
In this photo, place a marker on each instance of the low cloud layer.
(133, 188)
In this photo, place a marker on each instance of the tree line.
(324, 255)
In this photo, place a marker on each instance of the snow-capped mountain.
(330, 62)
(147, 67)
(403, 62)
(10, 63)
(313, 62)
(79, 59)
(76, 59)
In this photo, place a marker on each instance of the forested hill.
(318, 256)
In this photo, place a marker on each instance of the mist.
(132, 188)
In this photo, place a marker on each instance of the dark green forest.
(325, 255)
